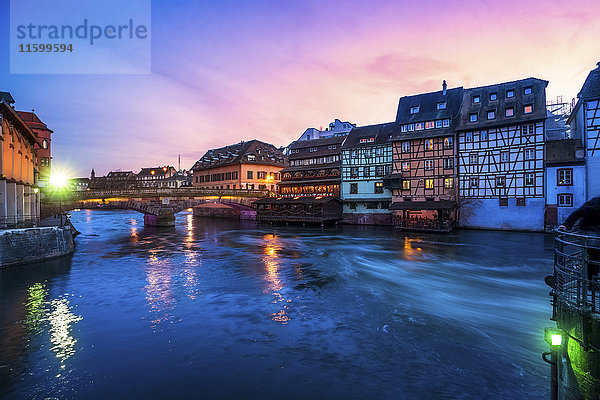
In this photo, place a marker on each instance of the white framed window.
(411, 127)
(428, 165)
(473, 117)
(429, 125)
(528, 90)
(405, 166)
(529, 179)
(448, 163)
(441, 106)
(429, 144)
(446, 123)
(473, 159)
(564, 200)
(500, 181)
(403, 128)
(429, 183)
(448, 142)
(469, 137)
(473, 182)
(438, 123)
(510, 93)
(491, 114)
(528, 109)
(493, 96)
(564, 177)
(529, 154)
(419, 126)
(448, 183)
(504, 156)
(406, 147)
(476, 99)
(414, 110)
(509, 111)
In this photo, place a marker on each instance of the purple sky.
(228, 71)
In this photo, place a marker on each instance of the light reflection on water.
(221, 308)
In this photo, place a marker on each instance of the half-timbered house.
(501, 156)
(366, 160)
(585, 125)
(424, 161)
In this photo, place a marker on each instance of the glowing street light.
(59, 180)
(553, 337)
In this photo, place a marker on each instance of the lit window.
(491, 114)
(446, 123)
(493, 96)
(528, 109)
(473, 117)
(529, 154)
(419, 126)
(510, 93)
(448, 183)
(45, 143)
(428, 183)
(403, 128)
(473, 159)
(504, 156)
(414, 110)
(429, 144)
(251, 157)
(378, 187)
(509, 112)
(441, 106)
(428, 165)
(565, 200)
(529, 179)
(473, 182)
(476, 99)
(406, 184)
(448, 142)
(527, 90)
(405, 166)
(564, 177)
(406, 147)
(429, 125)
(500, 181)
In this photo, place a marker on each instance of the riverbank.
(23, 246)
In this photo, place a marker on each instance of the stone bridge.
(159, 206)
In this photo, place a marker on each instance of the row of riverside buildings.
(489, 157)
(25, 164)
(149, 177)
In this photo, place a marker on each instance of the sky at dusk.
(226, 71)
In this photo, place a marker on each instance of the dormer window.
(414, 110)
(403, 128)
(510, 93)
(493, 96)
(473, 117)
(411, 127)
(446, 123)
(441, 106)
(251, 157)
(491, 114)
(419, 126)
(476, 99)
(528, 109)
(509, 112)
(528, 90)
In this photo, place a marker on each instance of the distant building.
(336, 128)
(366, 161)
(121, 180)
(423, 178)
(585, 125)
(154, 177)
(501, 136)
(565, 179)
(43, 148)
(19, 200)
(310, 187)
(180, 179)
(79, 184)
(251, 165)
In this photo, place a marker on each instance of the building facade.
(366, 160)
(336, 128)
(43, 148)
(152, 177)
(423, 178)
(585, 125)
(251, 165)
(501, 135)
(19, 198)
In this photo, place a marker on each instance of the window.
(429, 125)
(473, 182)
(528, 109)
(476, 99)
(448, 183)
(565, 200)
(45, 143)
(448, 142)
(419, 126)
(405, 166)
(438, 123)
(491, 114)
(406, 147)
(411, 127)
(529, 179)
(261, 175)
(446, 123)
(331, 147)
(251, 157)
(441, 106)
(509, 111)
(503, 202)
(379, 170)
(428, 165)
(354, 172)
(473, 158)
(313, 149)
(500, 181)
(378, 187)
(403, 128)
(379, 151)
(249, 174)
(354, 188)
(493, 96)
(527, 129)
(44, 162)
(510, 93)
(469, 137)
(529, 154)
(504, 156)
(414, 110)
(428, 183)
(521, 202)
(564, 177)
(429, 144)
(406, 184)
(473, 117)
(527, 90)
(448, 163)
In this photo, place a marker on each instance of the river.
(220, 309)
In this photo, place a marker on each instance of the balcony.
(393, 181)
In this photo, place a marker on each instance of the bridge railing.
(576, 270)
(156, 192)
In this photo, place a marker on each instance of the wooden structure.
(304, 209)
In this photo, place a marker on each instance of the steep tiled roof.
(379, 133)
(250, 152)
(428, 106)
(157, 170)
(591, 86)
(301, 149)
(6, 97)
(537, 99)
(32, 120)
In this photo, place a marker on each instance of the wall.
(577, 189)
(21, 246)
(487, 214)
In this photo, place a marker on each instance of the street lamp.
(59, 182)
(554, 338)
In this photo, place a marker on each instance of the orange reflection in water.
(273, 278)
(159, 290)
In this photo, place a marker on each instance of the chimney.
(444, 86)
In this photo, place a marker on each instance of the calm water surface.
(221, 310)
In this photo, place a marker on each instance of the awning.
(423, 205)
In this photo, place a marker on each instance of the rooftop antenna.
(179, 162)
